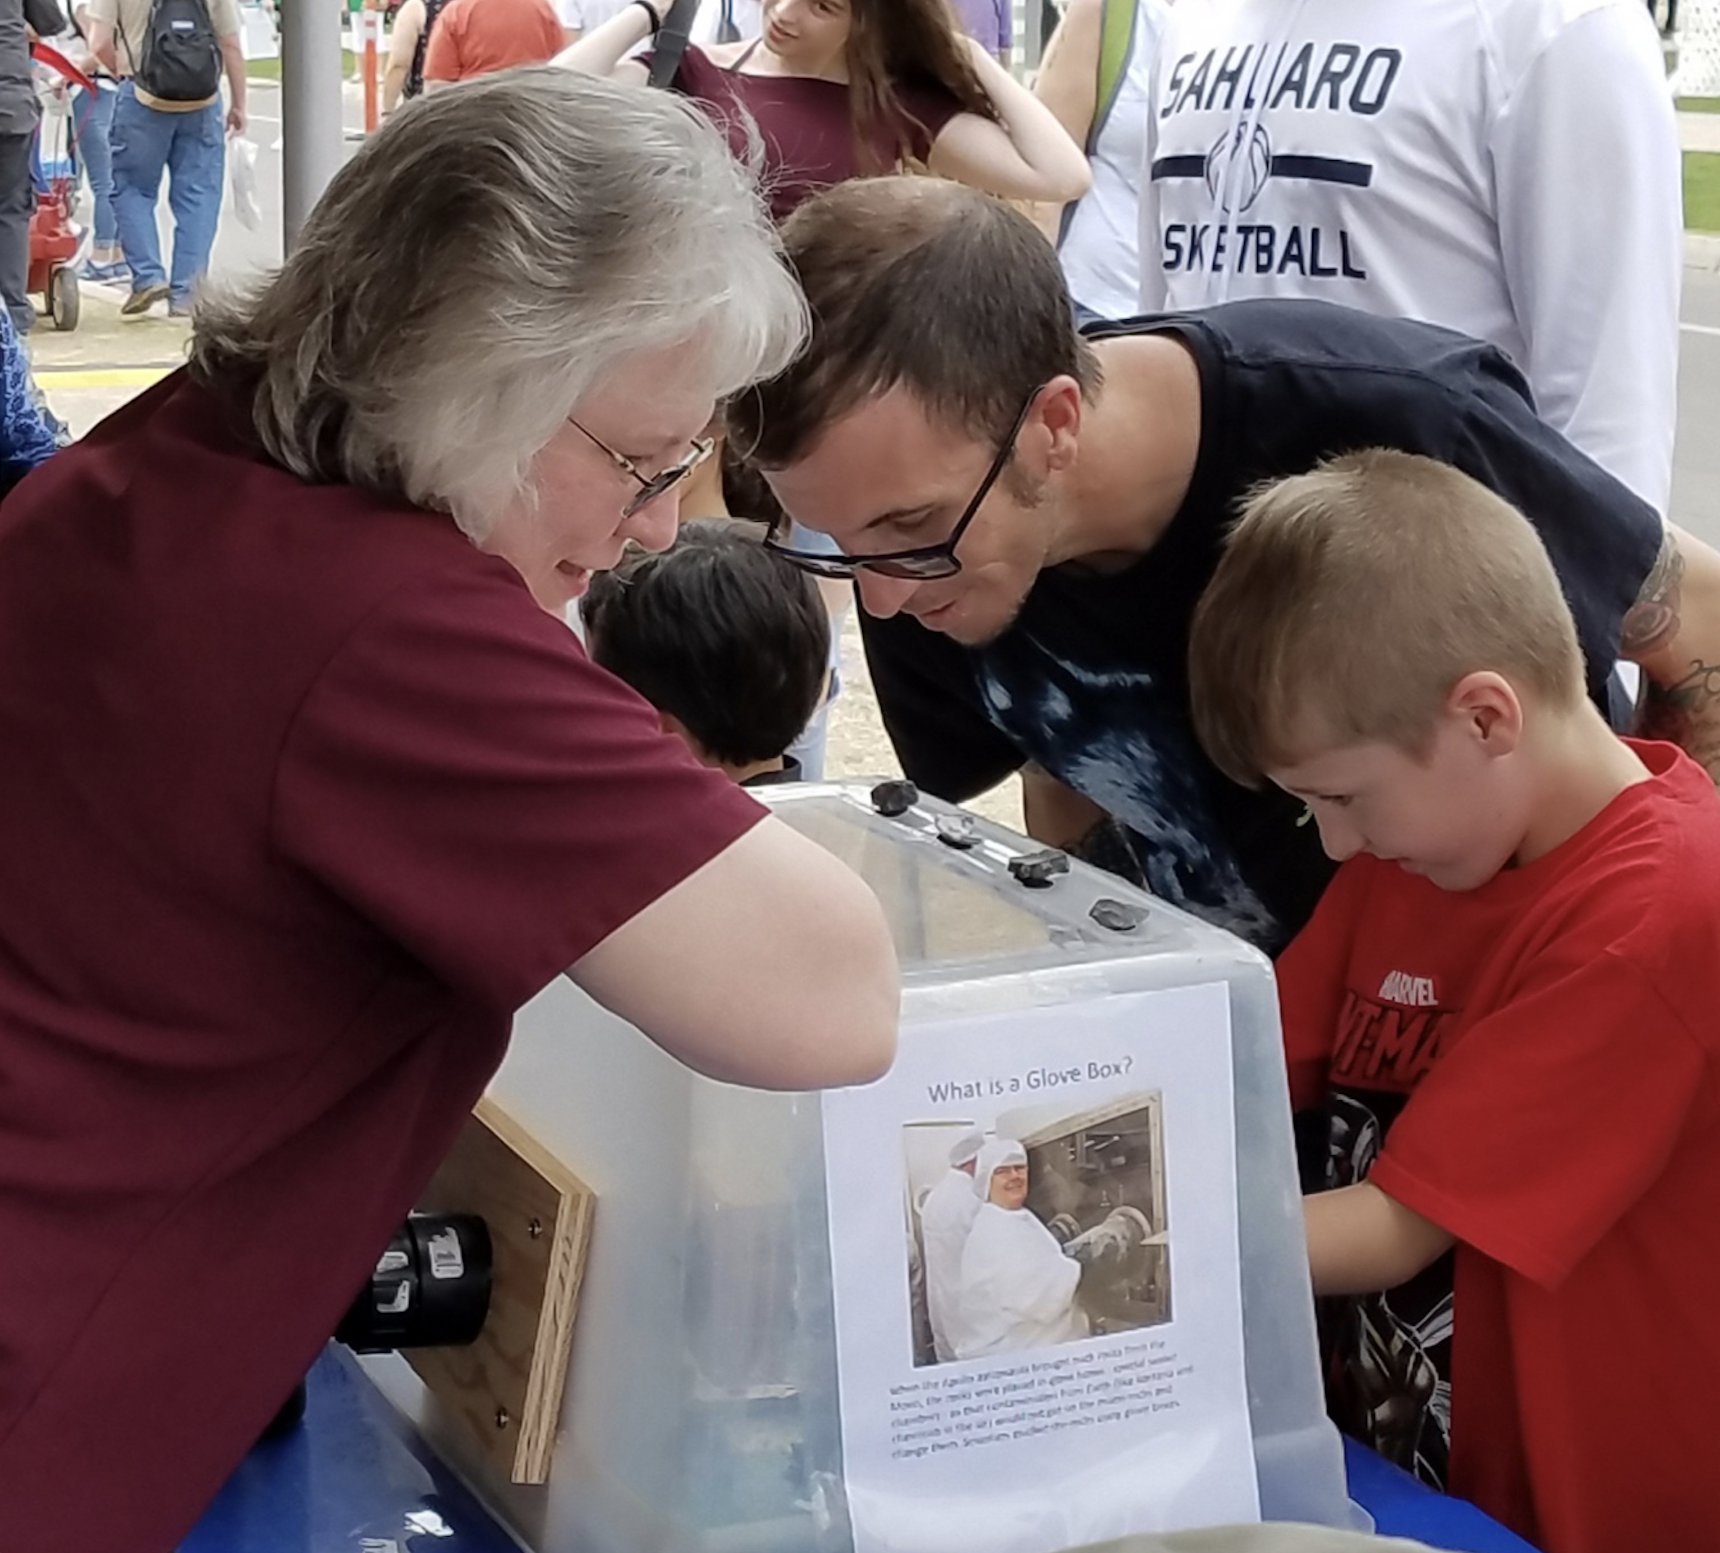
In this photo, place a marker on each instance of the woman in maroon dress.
(843, 89)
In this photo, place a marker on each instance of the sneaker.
(179, 307)
(104, 274)
(143, 298)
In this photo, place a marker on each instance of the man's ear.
(1491, 710)
(1059, 411)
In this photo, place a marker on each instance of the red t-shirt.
(304, 797)
(1556, 1038)
(804, 124)
(478, 37)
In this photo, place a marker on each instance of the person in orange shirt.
(476, 37)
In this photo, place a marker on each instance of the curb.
(1702, 250)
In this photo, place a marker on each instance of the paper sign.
(1056, 1361)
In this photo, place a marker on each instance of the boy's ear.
(1490, 708)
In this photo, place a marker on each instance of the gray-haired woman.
(308, 786)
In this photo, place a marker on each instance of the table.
(356, 1478)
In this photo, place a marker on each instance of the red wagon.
(57, 243)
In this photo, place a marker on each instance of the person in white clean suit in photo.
(1017, 1286)
(946, 1216)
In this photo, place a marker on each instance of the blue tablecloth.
(1403, 1507)
(357, 1479)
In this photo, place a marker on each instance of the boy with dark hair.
(1030, 515)
(1505, 1002)
(726, 640)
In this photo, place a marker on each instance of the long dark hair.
(894, 43)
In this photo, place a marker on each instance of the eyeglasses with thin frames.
(650, 486)
(927, 562)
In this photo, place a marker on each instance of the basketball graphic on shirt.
(1245, 158)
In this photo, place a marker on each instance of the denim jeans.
(92, 112)
(17, 201)
(191, 148)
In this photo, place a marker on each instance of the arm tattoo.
(1107, 846)
(1683, 701)
(1688, 713)
(1652, 621)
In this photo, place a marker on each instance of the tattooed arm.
(1057, 815)
(1060, 817)
(1673, 631)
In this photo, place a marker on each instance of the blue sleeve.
(25, 437)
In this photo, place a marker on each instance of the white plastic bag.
(242, 181)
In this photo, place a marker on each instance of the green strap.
(1116, 43)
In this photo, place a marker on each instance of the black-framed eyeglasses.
(928, 561)
(650, 486)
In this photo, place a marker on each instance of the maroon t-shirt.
(303, 797)
(804, 124)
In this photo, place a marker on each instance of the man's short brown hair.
(1351, 599)
(919, 283)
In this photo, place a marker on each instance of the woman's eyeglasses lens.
(667, 479)
(654, 486)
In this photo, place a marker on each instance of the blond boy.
(1508, 1001)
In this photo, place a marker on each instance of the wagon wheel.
(63, 298)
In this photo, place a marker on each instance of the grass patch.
(1699, 104)
(270, 69)
(1702, 191)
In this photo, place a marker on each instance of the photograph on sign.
(1036, 1279)
(1025, 1235)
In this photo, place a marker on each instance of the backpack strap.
(1118, 19)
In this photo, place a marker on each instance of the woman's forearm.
(1068, 79)
(1042, 143)
(394, 82)
(599, 51)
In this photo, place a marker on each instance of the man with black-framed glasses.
(918, 563)
(1031, 515)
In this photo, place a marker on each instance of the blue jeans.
(192, 150)
(92, 112)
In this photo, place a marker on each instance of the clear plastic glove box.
(722, 1356)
